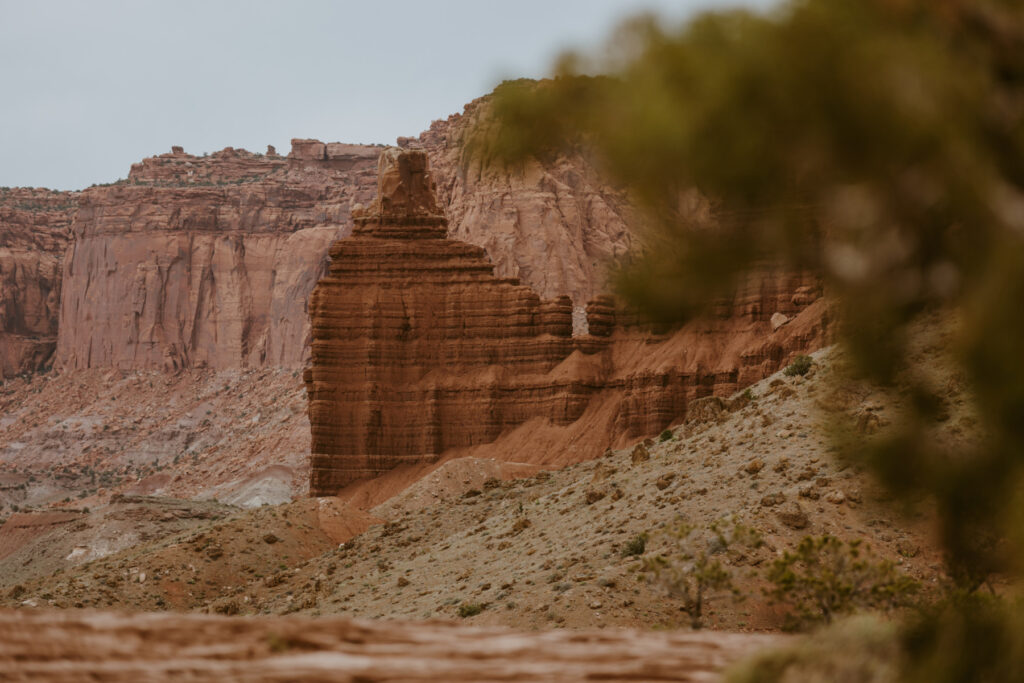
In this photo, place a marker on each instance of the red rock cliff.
(206, 261)
(34, 232)
(419, 349)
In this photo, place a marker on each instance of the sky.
(88, 88)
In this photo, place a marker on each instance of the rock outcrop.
(413, 338)
(419, 349)
(205, 261)
(34, 232)
(208, 261)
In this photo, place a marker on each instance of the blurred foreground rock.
(89, 646)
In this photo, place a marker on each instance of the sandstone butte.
(419, 349)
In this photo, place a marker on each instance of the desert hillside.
(505, 544)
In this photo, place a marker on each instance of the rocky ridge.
(555, 225)
(207, 261)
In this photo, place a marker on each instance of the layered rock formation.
(419, 349)
(34, 232)
(413, 337)
(205, 261)
(208, 261)
(76, 645)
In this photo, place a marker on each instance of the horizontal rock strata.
(207, 261)
(418, 348)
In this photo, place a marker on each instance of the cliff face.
(206, 261)
(553, 225)
(34, 232)
(419, 349)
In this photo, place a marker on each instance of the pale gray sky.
(87, 88)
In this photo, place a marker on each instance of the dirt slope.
(546, 550)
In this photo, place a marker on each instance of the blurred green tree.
(878, 142)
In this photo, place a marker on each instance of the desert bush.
(826, 577)
(688, 569)
(635, 546)
(665, 435)
(800, 365)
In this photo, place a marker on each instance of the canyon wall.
(208, 261)
(34, 232)
(419, 349)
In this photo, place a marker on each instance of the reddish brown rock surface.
(413, 338)
(207, 261)
(419, 350)
(34, 232)
(204, 261)
(87, 646)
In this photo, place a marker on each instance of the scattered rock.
(773, 499)
(707, 409)
(793, 516)
(869, 422)
(836, 497)
(602, 472)
(639, 454)
(754, 466)
(806, 473)
(809, 492)
(778, 320)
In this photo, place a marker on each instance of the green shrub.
(799, 366)
(826, 577)
(666, 435)
(635, 546)
(470, 609)
(688, 570)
